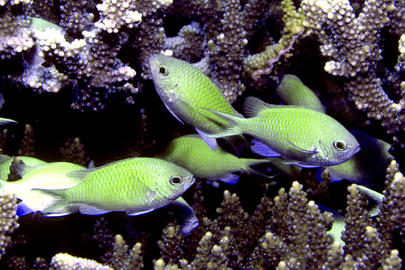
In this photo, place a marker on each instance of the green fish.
(305, 137)
(50, 176)
(187, 93)
(4, 121)
(293, 92)
(193, 154)
(136, 186)
(6, 161)
(367, 167)
(40, 24)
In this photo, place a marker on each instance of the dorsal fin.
(80, 173)
(20, 167)
(253, 106)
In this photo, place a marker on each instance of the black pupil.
(340, 145)
(162, 70)
(176, 180)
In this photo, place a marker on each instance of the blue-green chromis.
(306, 137)
(192, 153)
(135, 185)
(187, 92)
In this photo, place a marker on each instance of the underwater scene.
(202, 134)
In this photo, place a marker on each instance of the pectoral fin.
(303, 152)
(91, 210)
(262, 149)
(212, 142)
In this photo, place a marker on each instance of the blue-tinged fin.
(91, 210)
(230, 178)
(23, 209)
(262, 149)
(211, 142)
(300, 164)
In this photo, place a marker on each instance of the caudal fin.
(231, 128)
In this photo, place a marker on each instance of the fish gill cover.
(75, 77)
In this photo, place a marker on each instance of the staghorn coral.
(95, 57)
(262, 63)
(74, 151)
(27, 147)
(352, 43)
(8, 220)
(63, 261)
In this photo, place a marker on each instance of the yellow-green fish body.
(135, 185)
(306, 137)
(50, 176)
(187, 93)
(193, 154)
(293, 92)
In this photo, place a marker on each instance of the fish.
(50, 176)
(6, 161)
(193, 154)
(303, 137)
(368, 167)
(135, 185)
(293, 92)
(187, 92)
(4, 121)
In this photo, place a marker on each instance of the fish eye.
(340, 145)
(175, 180)
(163, 71)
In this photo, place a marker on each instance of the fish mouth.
(192, 180)
(356, 149)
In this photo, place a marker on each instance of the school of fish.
(299, 133)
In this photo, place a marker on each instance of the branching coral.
(8, 219)
(353, 44)
(63, 261)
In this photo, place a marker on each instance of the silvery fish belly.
(136, 185)
(186, 92)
